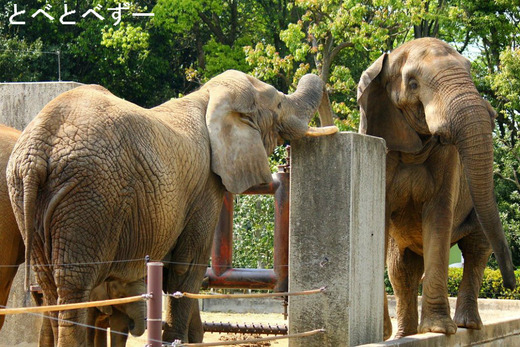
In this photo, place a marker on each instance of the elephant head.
(423, 89)
(131, 316)
(246, 118)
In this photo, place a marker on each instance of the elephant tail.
(30, 194)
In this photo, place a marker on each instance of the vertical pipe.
(281, 230)
(154, 307)
(58, 53)
(222, 252)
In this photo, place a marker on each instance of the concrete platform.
(501, 320)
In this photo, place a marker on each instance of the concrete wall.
(337, 239)
(19, 104)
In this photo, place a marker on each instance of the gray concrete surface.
(337, 239)
(267, 305)
(501, 320)
(19, 104)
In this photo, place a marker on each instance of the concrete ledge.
(501, 320)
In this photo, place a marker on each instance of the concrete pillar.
(337, 239)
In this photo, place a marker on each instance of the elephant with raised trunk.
(95, 181)
(439, 181)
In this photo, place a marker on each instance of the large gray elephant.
(12, 253)
(439, 180)
(96, 181)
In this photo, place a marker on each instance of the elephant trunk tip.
(510, 281)
(508, 278)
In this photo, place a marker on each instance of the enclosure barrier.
(154, 308)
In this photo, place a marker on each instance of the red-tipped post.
(154, 308)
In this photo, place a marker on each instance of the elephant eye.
(279, 105)
(413, 84)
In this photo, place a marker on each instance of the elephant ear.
(100, 293)
(379, 116)
(238, 155)
(492, 113)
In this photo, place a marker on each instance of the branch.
(507, 179)
(338, 48)
(215, 29)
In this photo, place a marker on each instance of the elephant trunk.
(473, 138)
(136, 312)
(310, 96)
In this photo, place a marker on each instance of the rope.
(39, 309)
(178, 295)
(230, 343)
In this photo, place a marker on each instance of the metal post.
(58, 53)
(222, 252)
(154, 307)
(281, 229)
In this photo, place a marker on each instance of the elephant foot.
(468, 318)
(387, 331)
(387, 323)
(437, 324)
(402, 333)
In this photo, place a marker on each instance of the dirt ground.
(241, 318)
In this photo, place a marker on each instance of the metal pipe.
(221, 274)
(241, 278)
(222, 251)
(281, 231)
(154, 307)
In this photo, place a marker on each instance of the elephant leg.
(435, 309)
(98, 336)
(71, 289)
(196, 329)
(190, 258)
(49, 329)
(119, 328)
(405, 269)
(476, 251)
(387, 322)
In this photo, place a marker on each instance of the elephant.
(123, 318)
(96, 182)
(13, 248)
(439, 181)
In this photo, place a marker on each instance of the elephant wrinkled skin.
(95, 180)
(12, 253)
(439, 181)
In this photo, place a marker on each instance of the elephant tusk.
(321, 131)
